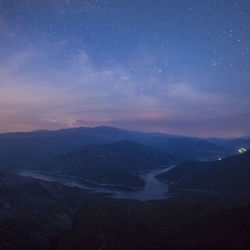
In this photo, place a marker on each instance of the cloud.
(75, 92)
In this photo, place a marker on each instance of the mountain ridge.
(27, 149)
(111, 163)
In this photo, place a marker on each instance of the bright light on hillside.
(242, 150)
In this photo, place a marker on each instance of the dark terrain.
(41, 215)
(108, 163)
(208, 208)
(228, 176)
(27, 150)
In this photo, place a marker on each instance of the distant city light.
(242, 150)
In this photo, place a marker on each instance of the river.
(153, 189)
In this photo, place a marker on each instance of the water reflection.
(153, 189)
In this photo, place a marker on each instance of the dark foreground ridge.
(229, 176)
(41, 215)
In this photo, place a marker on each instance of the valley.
(153, 189)
(122, 194)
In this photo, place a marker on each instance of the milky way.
(179, 67)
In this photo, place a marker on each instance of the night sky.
(174, 66)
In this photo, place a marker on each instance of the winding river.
(153, 189)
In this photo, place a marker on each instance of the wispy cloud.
(77, 92)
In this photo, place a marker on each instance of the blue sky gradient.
(179, 67)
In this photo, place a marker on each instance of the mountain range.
(211, 210)
(29, 149)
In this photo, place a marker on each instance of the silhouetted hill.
(187, 148)
(235, 144)
(230, 175)
(108, 163)
(26, 150)
(232, 145)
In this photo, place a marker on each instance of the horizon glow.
(178, 67)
